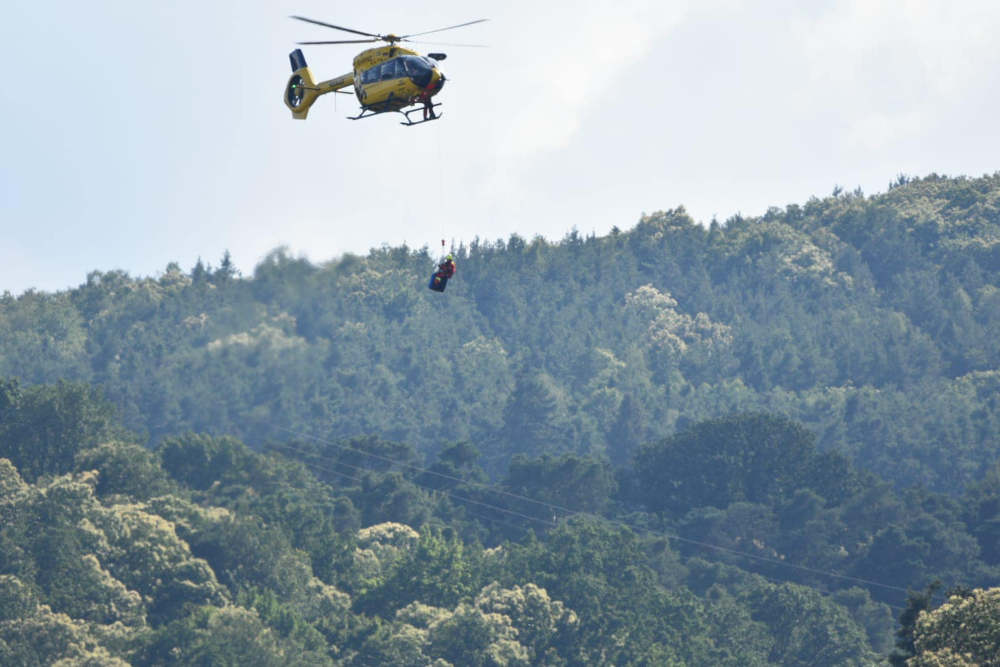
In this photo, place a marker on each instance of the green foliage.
(754, 458)
(207, 551)
(570, 481)
(228, 636)
(869, 319)
(965, 630)
(438, 570)
(982, 515)
(455, 463)
(875, 618)
(43, 427)
(471, 637)
(535, 416)
(124, 469)
(808, 629)
(517, 626)
(916, 604)
(31, 634)
(602, 573)
(671, 349)
(545, 627)
(200, 460)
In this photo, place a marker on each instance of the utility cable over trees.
(644, 445)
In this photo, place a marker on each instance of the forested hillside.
(740, 444)
(872, 320)
(735, 542)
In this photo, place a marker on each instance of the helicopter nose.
(437, 80)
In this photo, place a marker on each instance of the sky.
(133, 135)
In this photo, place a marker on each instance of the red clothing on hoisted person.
(446, 269)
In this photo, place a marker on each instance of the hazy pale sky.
(136, 134)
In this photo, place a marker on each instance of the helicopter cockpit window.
(418, 69)
(392, 69)
(415, 65)
(370, 75)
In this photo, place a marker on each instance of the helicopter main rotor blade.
(335, 27)
(451, 27)
(414, 41)
(342, 41)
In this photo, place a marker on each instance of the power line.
(547, 523)
(426, 471)
(648, 531)
(481, 515)
(571, 513)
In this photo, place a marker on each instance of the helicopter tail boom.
(301, 91)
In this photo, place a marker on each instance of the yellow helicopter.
(385, 78)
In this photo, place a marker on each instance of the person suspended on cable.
(446, 270)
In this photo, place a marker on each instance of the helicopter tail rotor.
(302, 90)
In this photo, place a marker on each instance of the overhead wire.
(476, 512)
(520, 515)
(441, 475)
(638, 529)
(568, 513)
(359, 480)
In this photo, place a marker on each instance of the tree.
(533, 415)
(31, 634)
(456, 462)
(916, 604)
(808, 628)
(378, 551)
(755, 458)
(227, 270)
(544, 626)
(965, 630)
(43, 427)
(438, 570)
(577, 483)
(469, 636)
(982, 514)
(199, 460)
(625, 434)
(124, 468)
(226, 636)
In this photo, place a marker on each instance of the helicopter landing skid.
(369, 112)
(434, 116)
(366, 113)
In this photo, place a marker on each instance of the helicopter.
(385, 78)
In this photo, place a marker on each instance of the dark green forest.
(764, 441)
